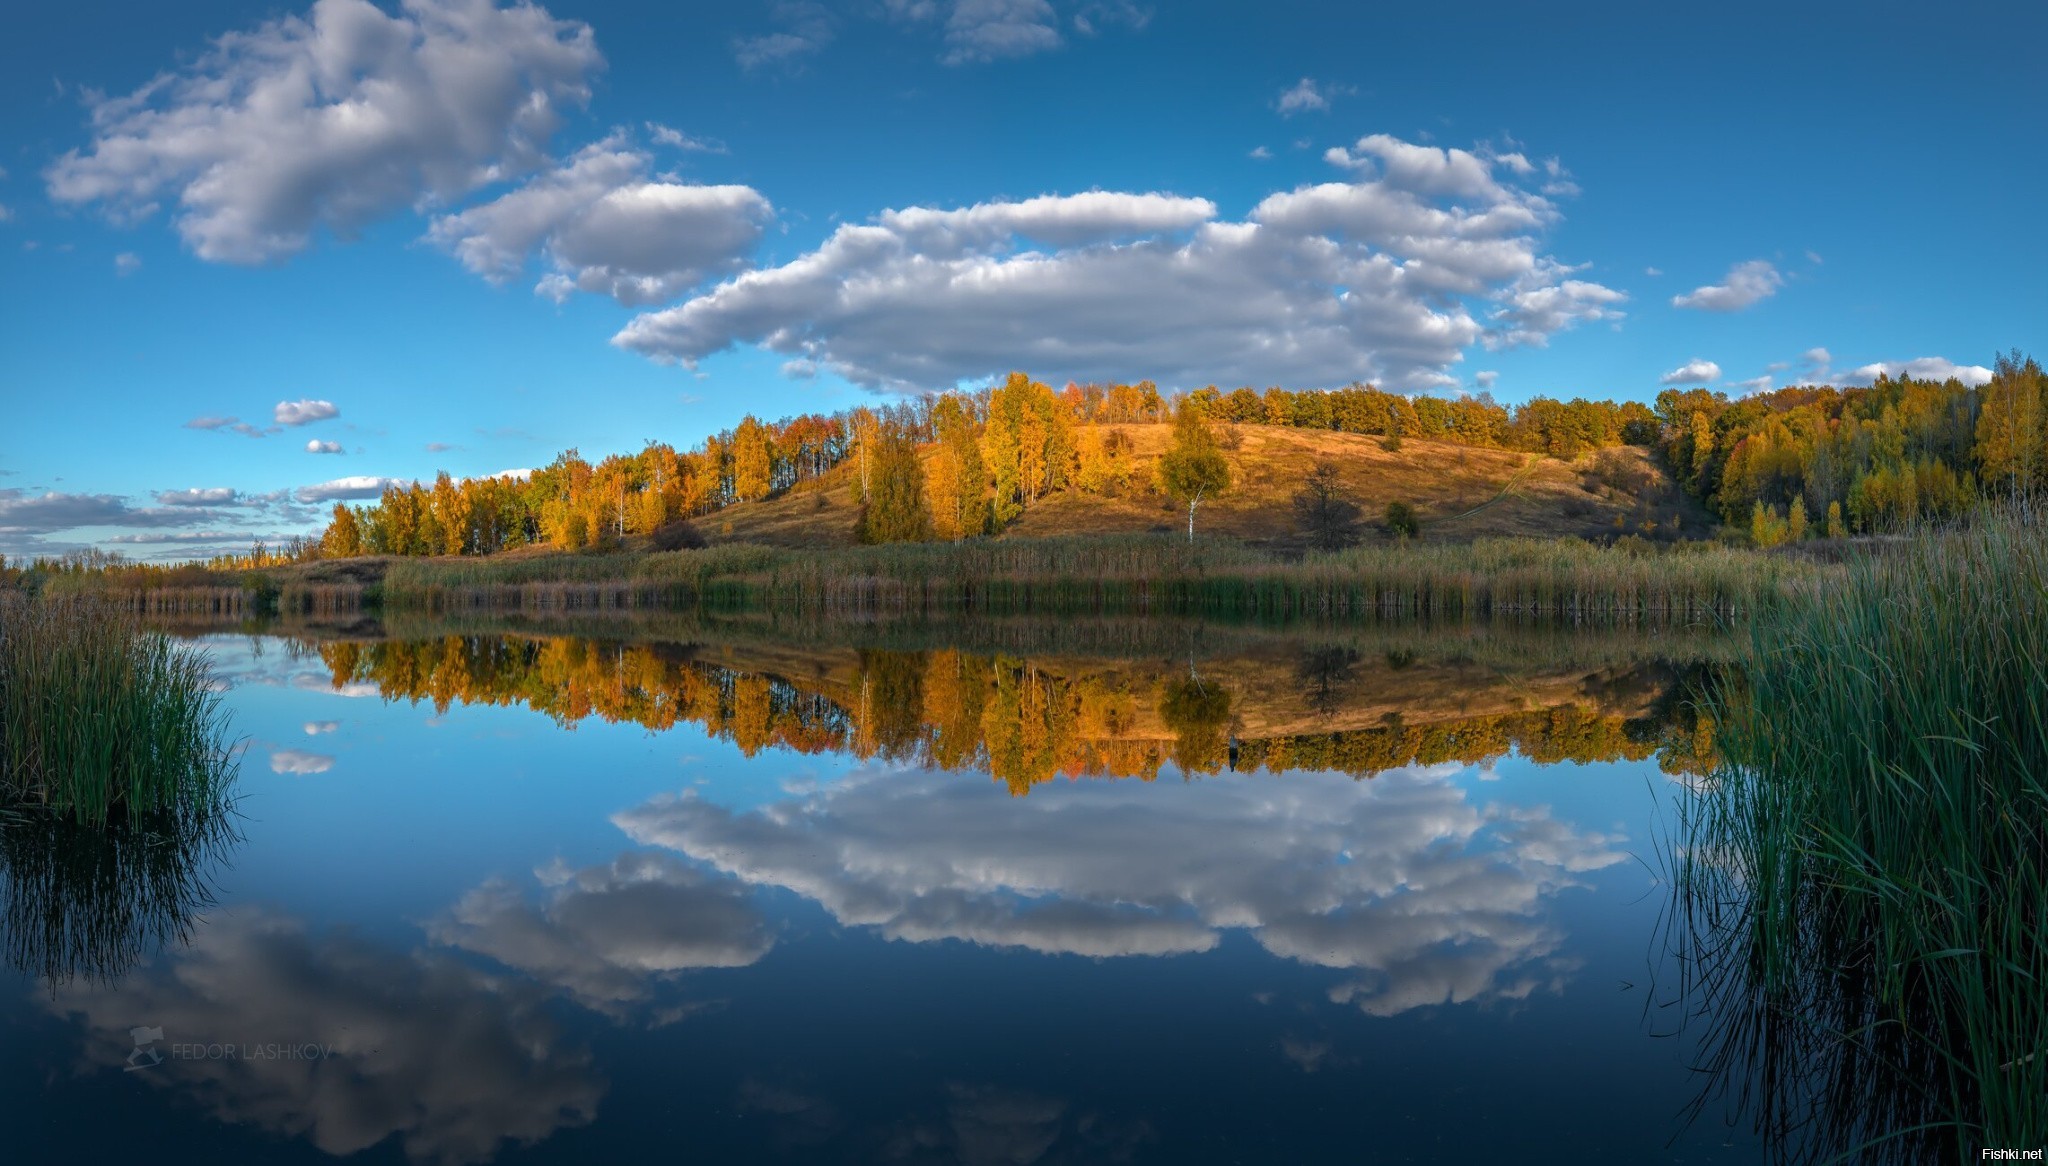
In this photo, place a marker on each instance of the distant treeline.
(987, 457)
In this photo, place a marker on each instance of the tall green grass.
(99, 717)
(1875, 848)
(1562, 581)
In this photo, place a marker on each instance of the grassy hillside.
(1460, 493)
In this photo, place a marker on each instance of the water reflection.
(1026, 720)
(452, 1062)
(1417, 894)
(1800, 1044)
(607, 936)
(85, 902)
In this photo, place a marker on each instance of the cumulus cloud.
(608, 935)
(450, 1063)
(1412, 892)
(1924, 368)
(318, 446)
(346, 489)
(332, 119)
(1307, 95)
(1386, 277)
(315, 728)
(199, 496)
(304, 412)
(606, 228)
(1486, 378)
(1692, 372)
(1752, 386)
(127, 263)
(299, 761)
(1815, 366)
(1746, 284)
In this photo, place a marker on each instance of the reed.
(1883, 801)
(1562, 581)
(99, 717)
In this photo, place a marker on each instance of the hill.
(1459, 492)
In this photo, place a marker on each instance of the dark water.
(525, 897)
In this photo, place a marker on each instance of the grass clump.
(100, 718)
(1874, 851)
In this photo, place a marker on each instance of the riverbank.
(1563, 581)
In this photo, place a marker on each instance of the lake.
(1008, 893)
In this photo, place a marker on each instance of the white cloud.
(315, 728)
(1924, 368)
(299, 761)
(1417, 895)
(677, 139)
(1308, 95)
(1486, 379)
(1260, 152)
(1653, 271)
(304, 412)
(332, 120)
(127, 263)
(347, 489)
(1692, 372)
(5, 213)
(606, 228)
(1387, 277)
(198, 496)
(1746, 284)
(1816, 367)
(318, 446)
(1752, 386)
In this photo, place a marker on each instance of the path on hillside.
(1504, 491)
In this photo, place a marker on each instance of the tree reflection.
(1027, 719)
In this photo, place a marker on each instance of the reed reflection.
(87, 903)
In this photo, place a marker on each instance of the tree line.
(1790, 463)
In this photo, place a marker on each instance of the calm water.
(516, 898)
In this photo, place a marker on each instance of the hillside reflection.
(1026, 719)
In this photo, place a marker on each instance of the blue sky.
(389, 240)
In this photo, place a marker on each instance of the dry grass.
(1442, 481)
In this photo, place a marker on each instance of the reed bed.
(1562, 581)
(99, 717)
(1879, 828)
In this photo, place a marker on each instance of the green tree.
(1193, 467)
(896, 510)
(1401, 521)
